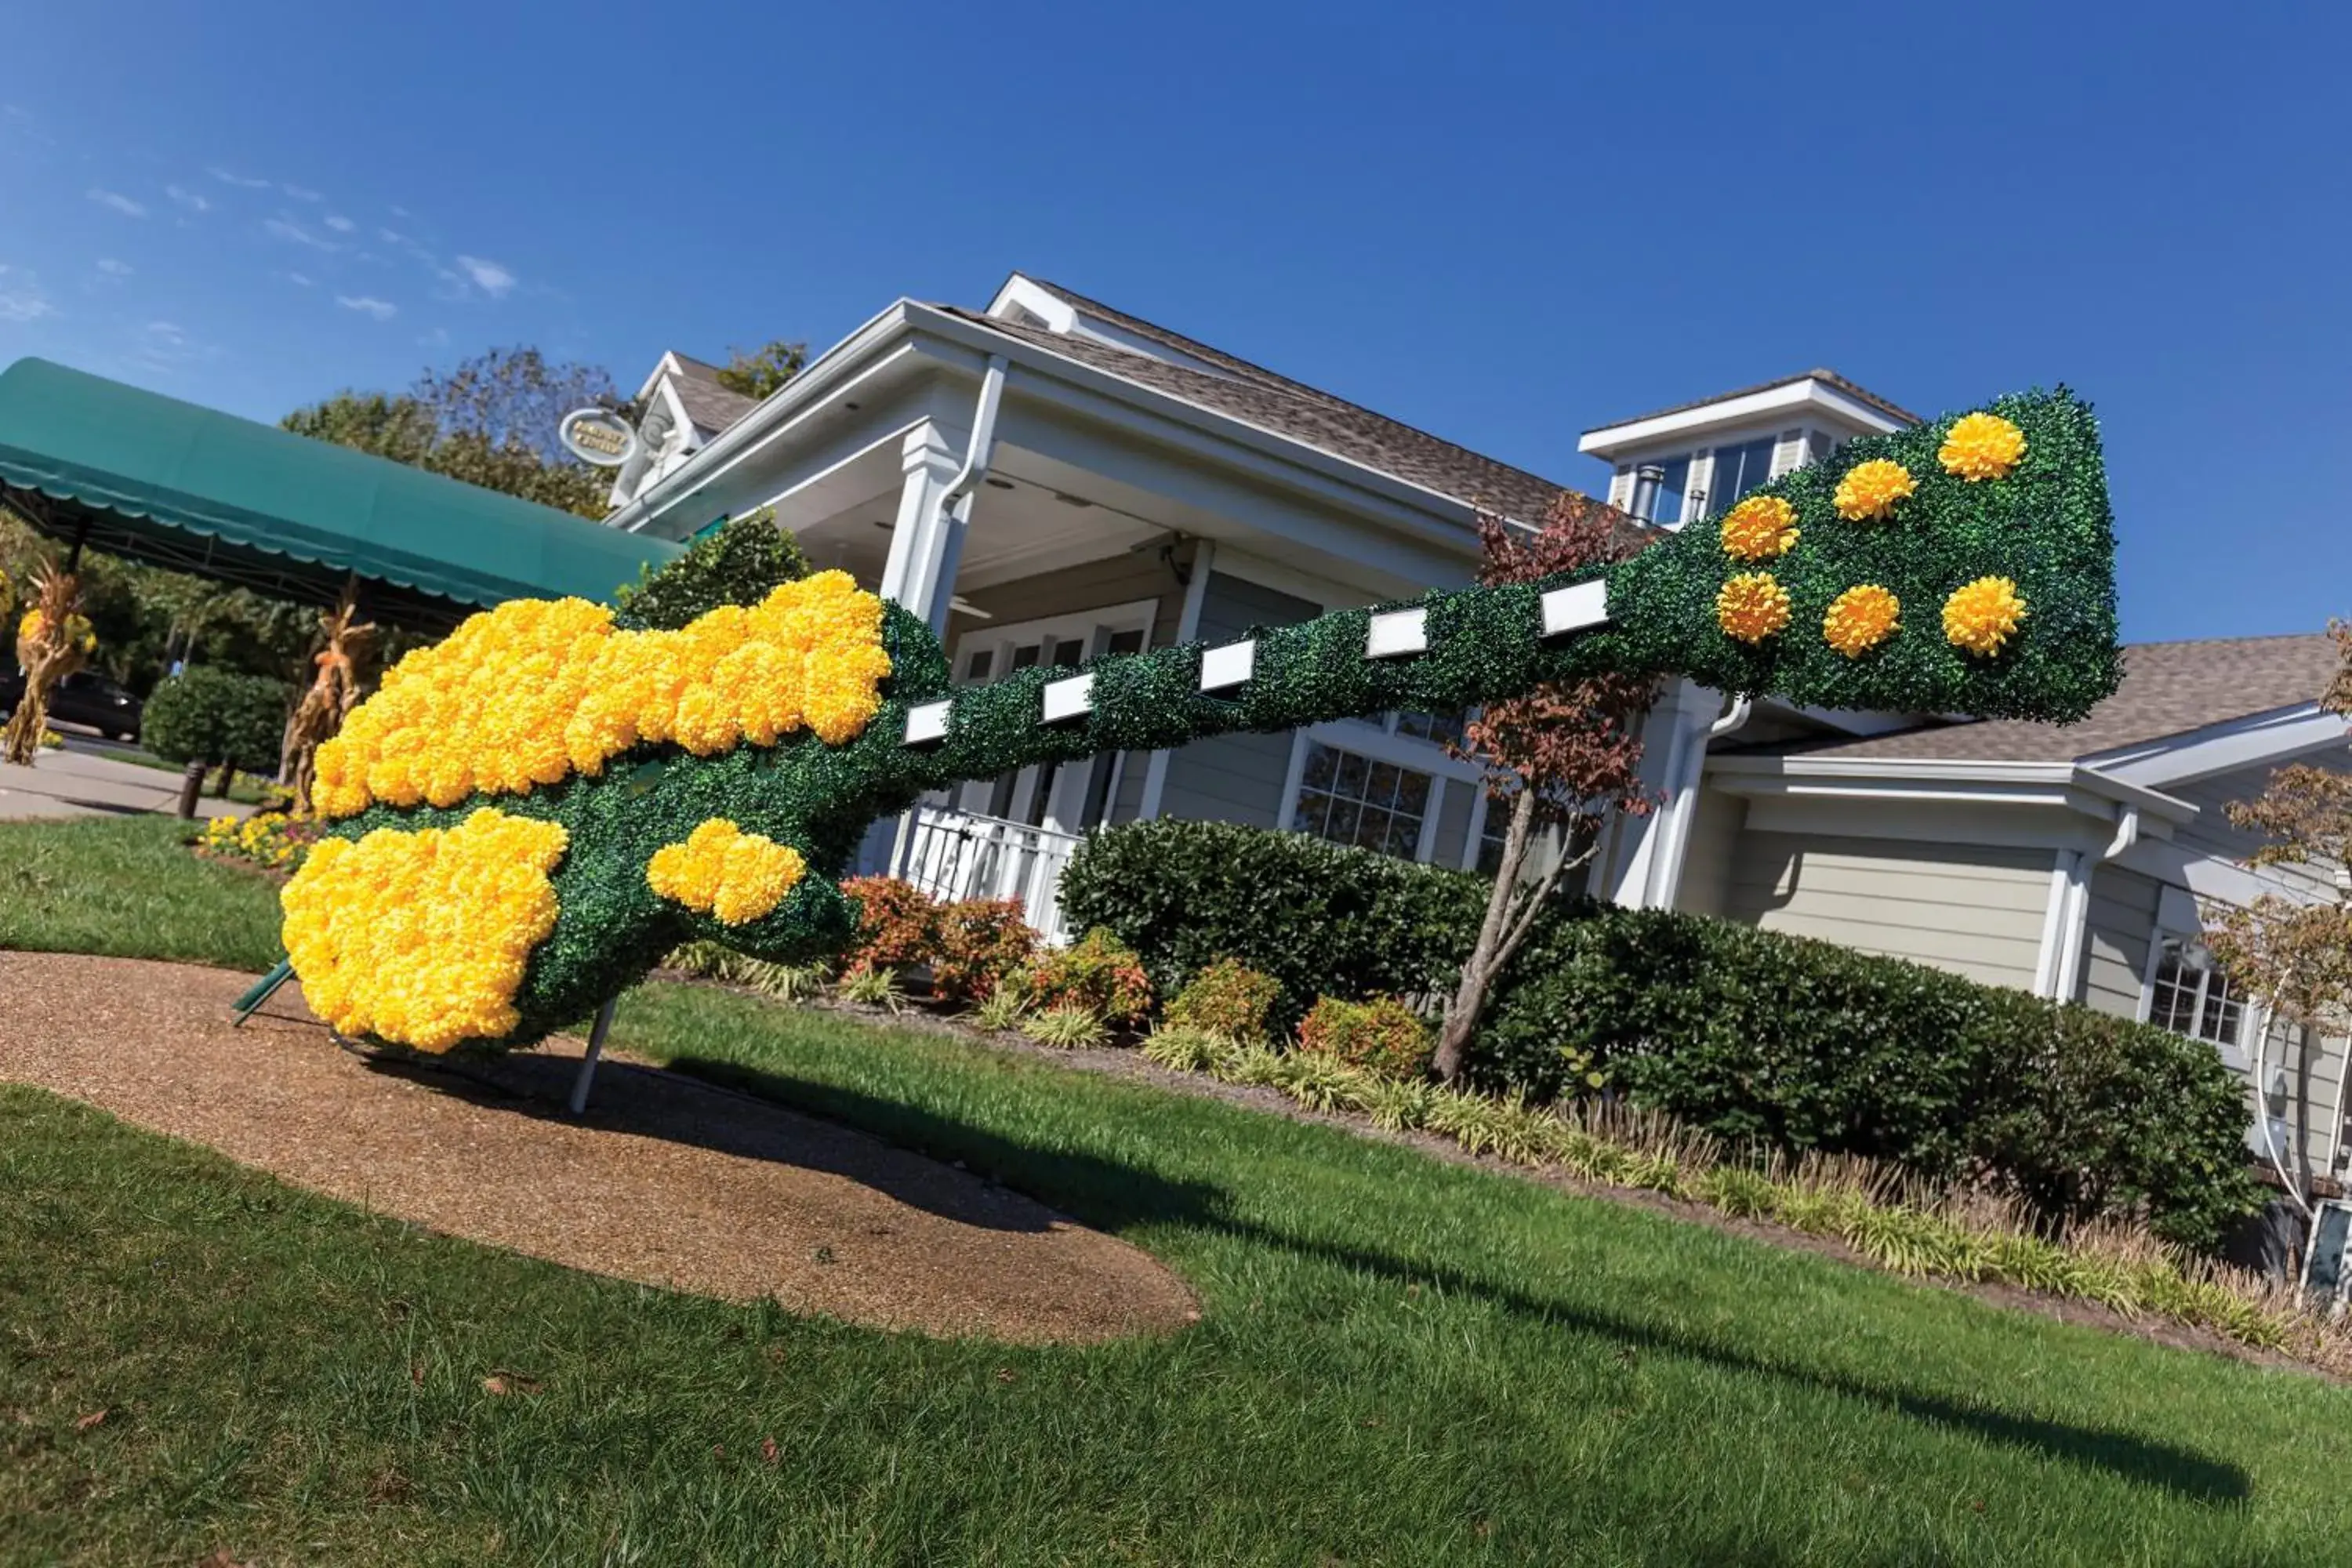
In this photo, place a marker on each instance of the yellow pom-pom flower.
(421, 938)
(1860, 619)
(527, 694)
(1870, 491)
(1752, 606)
(1759, 528)
(1982, 446)
(724, 871)
(1981, 617)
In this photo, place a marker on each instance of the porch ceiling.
(1019, 529)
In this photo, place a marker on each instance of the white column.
(919, 538)
(1635, 859)
(1188, 626)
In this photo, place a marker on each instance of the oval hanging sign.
(597, 435)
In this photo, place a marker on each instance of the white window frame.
(1378, 739)
(1094, 628)
(2249, 1015)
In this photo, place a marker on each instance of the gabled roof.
(2168, 689)
(711, 406)
(1290, 408)
(1826, 377)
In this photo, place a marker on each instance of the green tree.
(738, 563)
(490, 421)
(217, 717)
(756, 372)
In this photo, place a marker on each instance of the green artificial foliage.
(215, 716)
(738, 563)
(2046, 526)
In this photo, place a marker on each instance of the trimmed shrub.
(1320, 918)
(979, 943)
(1099, 974)
(1760, 1037)
(898, 925)
(213, 716)
(1227, 998)
(1382, 1035)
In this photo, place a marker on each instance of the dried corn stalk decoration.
(53, 640)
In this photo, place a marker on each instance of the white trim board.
(2277, 736)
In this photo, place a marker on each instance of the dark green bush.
(1756, 1036)
(1322, 919)
(212, 716)
(740, 562)
(1795, 1044)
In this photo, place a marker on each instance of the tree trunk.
(1486, 957)
(227, 775)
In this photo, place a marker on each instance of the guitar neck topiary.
(529, 814)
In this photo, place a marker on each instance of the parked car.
(84, 696)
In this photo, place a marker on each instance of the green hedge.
(1322, 919)
(208, 715)
(1756, 1036)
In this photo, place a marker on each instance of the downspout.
(2075, 917)
(1666, 871)
(937, 589)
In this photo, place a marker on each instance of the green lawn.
(1401, 1360)
(126, 886)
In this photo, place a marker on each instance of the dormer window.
(1738, 470)
(1660, 489)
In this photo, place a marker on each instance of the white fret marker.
(926, 723)
(1395, 633)
(1574, 607)
(1228, 666)
(1067, 698)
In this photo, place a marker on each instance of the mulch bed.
(667, 1181)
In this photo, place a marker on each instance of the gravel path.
(667, 1181)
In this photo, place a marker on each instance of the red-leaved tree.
(1565, 754)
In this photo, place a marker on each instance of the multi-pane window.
(2194, 998)
(1738, 470)
(1664, 505)
(1443, 728)
(1353, 799)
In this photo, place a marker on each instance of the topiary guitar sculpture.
(529, 814)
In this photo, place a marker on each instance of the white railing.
(962, 854)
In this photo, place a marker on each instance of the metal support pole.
(596, 1048)
(246, 1006)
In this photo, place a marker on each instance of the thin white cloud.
(488, 275)
(438, 338)
(392, 237)
(339, 223)
(113, 268)
(369, 305)
(240, 181)
(118, 201)
(167, 332)
(400, 212)
(194, 201)
(300, 194)
(21, 299)
(286, 228)
(299, 280)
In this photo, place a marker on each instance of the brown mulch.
(667, 1181)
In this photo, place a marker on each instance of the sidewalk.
(75, 783)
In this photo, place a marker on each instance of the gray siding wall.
(2121, 924)
(1976, 910)
(1708, 857)
(1453, 822)
(1235, 778)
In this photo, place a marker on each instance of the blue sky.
(1503, 223)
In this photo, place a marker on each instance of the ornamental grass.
(1897, 1223)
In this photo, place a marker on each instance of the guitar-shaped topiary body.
(716, 784)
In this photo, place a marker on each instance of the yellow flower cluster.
(1982, 446)
(1870, 491)
(1759, 528)
(1752, 606)
(724, 871)
(529, 692)
(79, 632)
(1979, 617)
(265, 838)
(1860, 619)
(421, 938)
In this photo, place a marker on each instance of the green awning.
(156, 480)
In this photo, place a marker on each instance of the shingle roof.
(1290, 408)
(1826, 377)
(2167, 689)
(711, 406)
